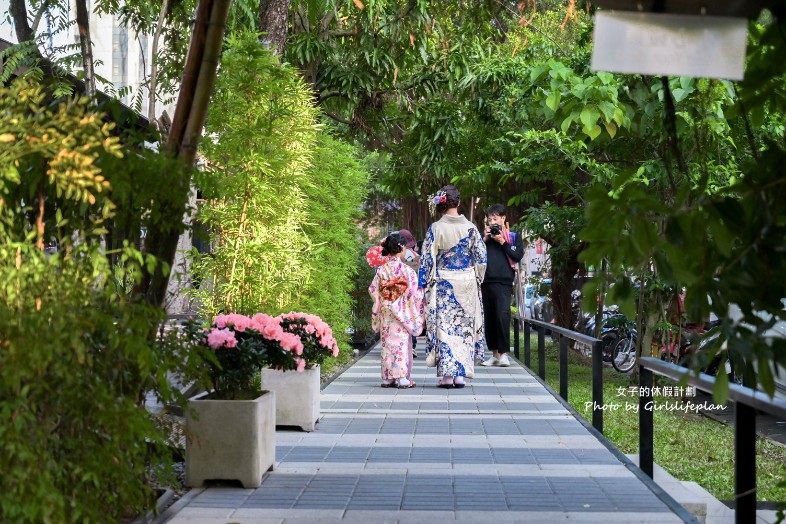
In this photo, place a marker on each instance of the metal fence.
(564, 336)
(747, 402)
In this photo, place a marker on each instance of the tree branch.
(338, 118)
(324, 96)
(671, 128)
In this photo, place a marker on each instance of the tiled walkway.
(503, 449)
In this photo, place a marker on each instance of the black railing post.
(516, 336)
(597, 385)
(527, 345)
(646, 454)
(542, 352)
(744, 463)
(563, 367)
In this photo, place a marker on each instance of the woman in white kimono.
(397, 313)
(452, 265)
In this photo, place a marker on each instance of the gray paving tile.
(501, 450)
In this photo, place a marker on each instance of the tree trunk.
(190, 114)
(562, 275)
(274, 20)
(83, 23)
(18, 10)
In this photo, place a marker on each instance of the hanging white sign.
(674, 45)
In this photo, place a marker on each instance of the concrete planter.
(297, 396)
(230, 440)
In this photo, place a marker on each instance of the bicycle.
(623, 355)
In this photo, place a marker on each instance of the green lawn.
(689, 446)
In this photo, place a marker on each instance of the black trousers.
(496, 314)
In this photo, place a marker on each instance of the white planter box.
(230, 440)
(297, 396)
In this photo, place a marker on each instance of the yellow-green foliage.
(75, 356)
(260, 137)
(337, 189)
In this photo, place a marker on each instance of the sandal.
(410, 385)
(388, 385)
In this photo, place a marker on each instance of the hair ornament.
(440, 197)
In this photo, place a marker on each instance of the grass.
(689, 446)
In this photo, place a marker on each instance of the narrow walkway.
(501, 450)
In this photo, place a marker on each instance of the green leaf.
(679, 94)
(592, 132)
(605, 77)
(766, 380)
(720, 390)
(589, 117)
(611, 128)
(722, 237)
(567, 122)
(537, 72)
(552, 101)
(608, 109)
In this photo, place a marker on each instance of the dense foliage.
(333, 198)
(281, 197)
(261, 137)
(76, 444)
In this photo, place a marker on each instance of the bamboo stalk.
(188, 84)
(206, 79)
(243, 216)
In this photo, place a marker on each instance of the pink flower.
(221, 337)
(291, 342)
(301, 364)
(239, 322)
(220, 321)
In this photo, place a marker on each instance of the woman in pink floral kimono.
(397, 313)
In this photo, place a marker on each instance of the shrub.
(260, 135)
(333, 199)
(76, 355)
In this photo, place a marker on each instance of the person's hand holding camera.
(496, 232)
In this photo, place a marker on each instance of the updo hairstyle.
(452, 198)
(393, 244)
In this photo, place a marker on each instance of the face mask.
(410, 256)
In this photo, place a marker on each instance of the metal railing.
(747, 402)
(564, 336)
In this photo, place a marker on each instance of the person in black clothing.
(505, 249)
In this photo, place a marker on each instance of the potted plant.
(231, 429)
(298, 395)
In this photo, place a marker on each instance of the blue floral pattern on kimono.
(451, 270)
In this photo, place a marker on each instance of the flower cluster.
(440, 197)
(314, 333)
(374, 256)
(236, 347)
(239, 346)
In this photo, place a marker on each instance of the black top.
(498, 269)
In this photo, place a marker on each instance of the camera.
(495, 229)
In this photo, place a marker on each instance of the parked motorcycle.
(710, 336)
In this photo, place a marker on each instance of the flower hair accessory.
(440, 197)
(374, 256)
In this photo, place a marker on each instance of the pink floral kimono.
(397, 314)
